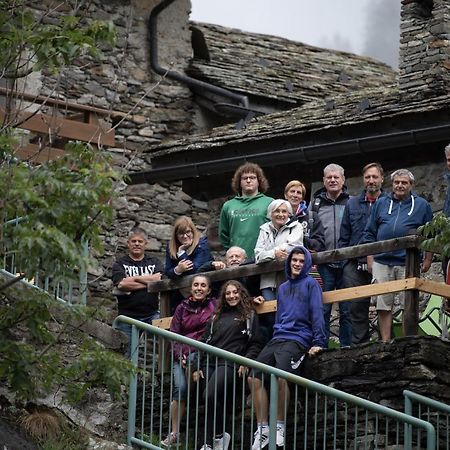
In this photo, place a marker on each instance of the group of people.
(255, 227)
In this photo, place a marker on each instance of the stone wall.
(424, 48)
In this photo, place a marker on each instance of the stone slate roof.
(274, 68)
(344, 110)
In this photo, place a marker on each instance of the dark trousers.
(359, 309)
(332, 279)
(220, 380)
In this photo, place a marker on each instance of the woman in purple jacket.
(190, 319)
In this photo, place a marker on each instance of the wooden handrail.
(63, 103)
(329, 256)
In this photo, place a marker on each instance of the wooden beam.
(433, 287)
(64, 104)
(37, 155)
(353, 293)
(411, 308)
(58, 126)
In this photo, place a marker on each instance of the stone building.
(190, 102)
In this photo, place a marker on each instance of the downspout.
(192, 82)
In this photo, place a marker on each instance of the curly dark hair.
(263, 184)
(245, 306)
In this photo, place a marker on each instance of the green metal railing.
(63, 290)
(318, 416)
(435, 412)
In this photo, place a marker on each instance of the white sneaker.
(205, 447)
(172, 439)
(261, 437)
(280, 435)
(222, 443)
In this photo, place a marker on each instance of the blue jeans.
(332, 279)
(179, 378)
(125, 328)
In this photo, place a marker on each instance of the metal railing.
(434, 412)
(318, 417)
(66, 291)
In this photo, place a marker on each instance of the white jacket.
(270, 239)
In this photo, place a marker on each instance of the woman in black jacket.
(233, 327)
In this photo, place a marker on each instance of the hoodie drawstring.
(410, 211)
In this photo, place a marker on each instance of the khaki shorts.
(381, 273)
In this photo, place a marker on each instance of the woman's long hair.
(245, 305)
(182, 225)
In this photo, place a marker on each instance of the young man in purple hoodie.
(299, 329)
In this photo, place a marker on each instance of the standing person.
(313, 234)
(356, 271)
(233, 327)
(299, 329)
(394, 216)
(190, 319)
(186, 252)
(130, 275)
(242, 216)
(446, 208)
(329, 203)
(276, 239)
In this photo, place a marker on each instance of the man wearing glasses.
(242, 216)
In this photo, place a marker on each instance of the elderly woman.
(313, 234)
(276, 239)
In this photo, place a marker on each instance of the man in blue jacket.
(299, 329)
(394, 216)
(356, 273)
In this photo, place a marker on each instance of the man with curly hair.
(242, 216)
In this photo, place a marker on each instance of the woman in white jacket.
(276, 239)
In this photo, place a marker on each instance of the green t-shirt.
(240, 220)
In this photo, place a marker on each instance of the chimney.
(424, 49)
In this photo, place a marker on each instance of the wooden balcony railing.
(412, 284)
(50, 132)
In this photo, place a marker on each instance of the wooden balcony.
(61, 122)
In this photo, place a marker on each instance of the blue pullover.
(299, 314)
(391, 218)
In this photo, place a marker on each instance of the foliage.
(47, 213)
(437, 234)
(50, 41)
(63, 203)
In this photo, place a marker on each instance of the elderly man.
(130, 275)
(356, 272)
(394, 216)
(329, 203)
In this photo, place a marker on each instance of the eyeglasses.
(185, 233)
(249, 177)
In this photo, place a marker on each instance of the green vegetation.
(63, 204)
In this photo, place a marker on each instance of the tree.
(47, 213)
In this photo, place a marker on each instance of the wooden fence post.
(411, 311)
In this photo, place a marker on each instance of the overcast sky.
(365, 27)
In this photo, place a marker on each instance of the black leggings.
(220, 380)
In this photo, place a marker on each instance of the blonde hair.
(293, 183)
(183, 224)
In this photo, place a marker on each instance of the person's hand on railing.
(197, 375)
(313, 351)
(242, 371)
(218, 265)
(258, 300)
